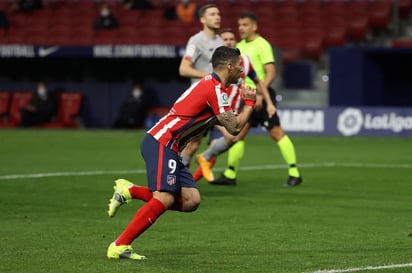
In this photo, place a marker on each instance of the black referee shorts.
(260, 117)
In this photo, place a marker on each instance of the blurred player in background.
(170, 184)
(196, 63)
(221, 140)
(261, 55)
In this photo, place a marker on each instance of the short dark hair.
(204, 8)
(227, 30)
(224, 54)
(252, 16)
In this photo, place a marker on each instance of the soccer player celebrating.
(170, 184)
(195, 64)
(221, 141)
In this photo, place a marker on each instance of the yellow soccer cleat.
(206, 167)
(120, 196)
(123, 252)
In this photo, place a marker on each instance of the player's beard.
(214, 27)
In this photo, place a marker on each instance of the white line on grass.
(244, 168)
(357, 269)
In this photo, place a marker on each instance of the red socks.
(143, 219)
(141, 193)
(198, 174)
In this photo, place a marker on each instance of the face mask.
(137, 93)
(104, 12)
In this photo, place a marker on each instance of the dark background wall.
(370, 77)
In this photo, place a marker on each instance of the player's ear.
(255, 27)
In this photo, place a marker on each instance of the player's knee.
(191, 200)
(277, 133)
(192, 205)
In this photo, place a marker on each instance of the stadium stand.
(68, 115)
(308, 27)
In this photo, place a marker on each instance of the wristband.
(250, 103)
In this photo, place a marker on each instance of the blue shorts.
(165, 171)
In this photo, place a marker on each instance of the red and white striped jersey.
(233, 90)
(192, 113)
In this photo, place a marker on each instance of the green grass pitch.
(353, 210)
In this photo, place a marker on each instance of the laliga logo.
(350, 121)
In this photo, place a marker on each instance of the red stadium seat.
(15, 36)
(357, 20)
(405, 7)
(358, 28)
(402, 43)
(82, 37)
(105, 37)
(380, 14)
(69, 109)
(68, 112)
(18, 101)
(312, 47)
(334, 31)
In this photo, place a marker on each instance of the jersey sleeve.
(251, 70)
(191, 53)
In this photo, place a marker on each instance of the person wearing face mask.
(40, 109)
(133, 111)
(106, 19)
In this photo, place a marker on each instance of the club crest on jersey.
(171, 179)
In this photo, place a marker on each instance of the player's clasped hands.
(248, 93)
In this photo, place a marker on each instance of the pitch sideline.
(357, 269)
(245, 168)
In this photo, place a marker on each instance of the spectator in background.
(133, 111)
(26, 5)
(40, 109)
(106, 19)
(186, 11)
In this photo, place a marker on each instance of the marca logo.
(351, 121)
(302, 120)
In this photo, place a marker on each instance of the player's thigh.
(165, 171)
(189, 191)
(192, 146)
